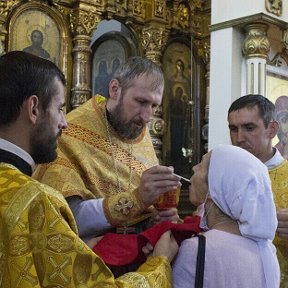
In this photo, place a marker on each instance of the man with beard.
(107, 168)
(252, 127)
(39, 244)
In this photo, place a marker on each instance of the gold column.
(5, 7)
(203, 49)
(255, 48)
(81, 90)
(153, 39)
(85, 22)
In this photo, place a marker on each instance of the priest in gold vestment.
(105, 154)
(39, 242)
(40, 246)
(252, 127)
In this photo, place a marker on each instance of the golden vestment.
(90, 166)
(39, 245)
(279, 180)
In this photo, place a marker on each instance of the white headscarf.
(240, 186)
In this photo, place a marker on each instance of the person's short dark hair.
(265, 106)
(21, 76)
(135, 67)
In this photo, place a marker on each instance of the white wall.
(226, 10)
(225, 81)
(227, 64)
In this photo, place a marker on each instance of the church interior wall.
(206, 37)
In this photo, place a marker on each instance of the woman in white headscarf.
(239, 218)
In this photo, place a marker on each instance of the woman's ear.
(114, 89)
(33, 108)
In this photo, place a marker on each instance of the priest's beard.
(125, 129)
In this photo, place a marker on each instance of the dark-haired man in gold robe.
(39, 242)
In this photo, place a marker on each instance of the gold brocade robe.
(39, 245)
(279, 180)
(90, 167)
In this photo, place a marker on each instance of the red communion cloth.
(123, 249)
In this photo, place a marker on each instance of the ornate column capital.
(255, 48)
(153, 40)
(256, 43)
(84, 22)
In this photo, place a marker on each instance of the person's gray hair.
(135, 67)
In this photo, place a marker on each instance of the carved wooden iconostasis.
(89, 39)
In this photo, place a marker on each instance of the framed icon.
(109, 53)
(40, 29)
(277, 92)
(36, 32)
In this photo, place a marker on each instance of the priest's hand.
(282, 230)
(156, 181)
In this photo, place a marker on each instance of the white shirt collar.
(276, 160)
(10, 147)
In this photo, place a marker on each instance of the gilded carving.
(197, 24)
(5, 8)
(87, 22)
(159, 8)
(157, 127)
(138, 8)
(274, 6)
(153, 40)
(256, 43)
(67, 12)
(79, 97)
(182, 18)
(197, 4)
(203, 49)
(281, 58)
(81, 91)
(120, 6)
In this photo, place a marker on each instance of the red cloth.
(118, 249)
